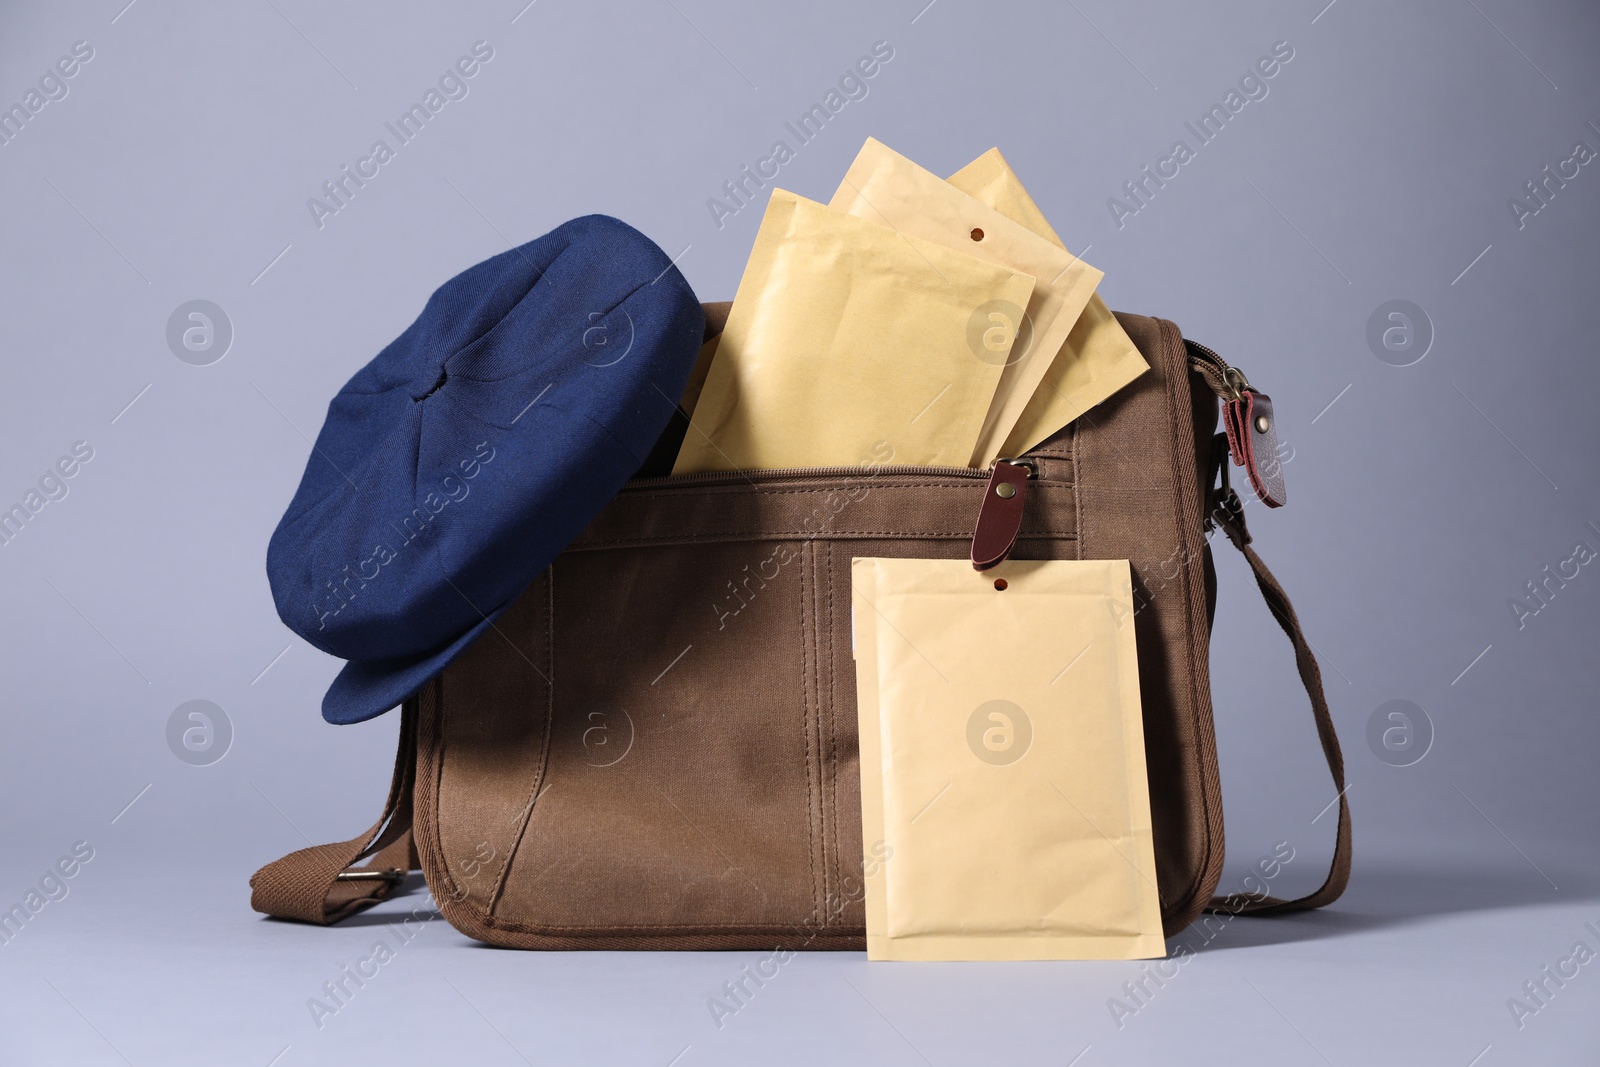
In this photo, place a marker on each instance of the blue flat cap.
(456, 465)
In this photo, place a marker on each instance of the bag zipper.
(790, 473)
(1201, 356)
(1249, 428)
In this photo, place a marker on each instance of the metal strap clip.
(392, 875)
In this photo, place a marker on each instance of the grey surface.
(1378, 167)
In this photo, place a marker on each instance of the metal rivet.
(1005, 490)
(1262, 425)
(977, 234)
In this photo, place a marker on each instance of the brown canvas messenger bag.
(655, 746)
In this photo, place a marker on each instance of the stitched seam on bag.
(1200, 654)
(435, 760)
(1077, 489)
(805, 725)
(1180, 426)
(819, 645)
(820, 628)
(498, 891)
(1178, 381)
(1181, 422)
(817, 830)
(805, 535)
(1187, 893)
(449, 905)
(708, 941)
(759, 928)
(965, 485)
(831, 857)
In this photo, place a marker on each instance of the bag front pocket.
(697, 785)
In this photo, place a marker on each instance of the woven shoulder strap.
(1228, 514)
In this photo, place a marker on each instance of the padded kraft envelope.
(885, 187)
(844, 337)
(1002, 762)
(1099, 357)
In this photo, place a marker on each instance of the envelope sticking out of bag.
(1002, 761)
(843, 336)
(1099, 357)
(885, 187)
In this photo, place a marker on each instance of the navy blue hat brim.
(365, 689)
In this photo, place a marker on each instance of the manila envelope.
(1099, 357)
(844, 336)
(887, 188)
(1002, 761)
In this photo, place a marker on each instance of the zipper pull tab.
(1253, 443)
(1000, 515)
(1247, 417)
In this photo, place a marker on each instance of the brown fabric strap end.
(306, 885)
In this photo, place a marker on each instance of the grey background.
(1378, 167)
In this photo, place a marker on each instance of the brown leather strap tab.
(1229, 515)
(1252, 434)
(320, 884)
(1000, 514)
